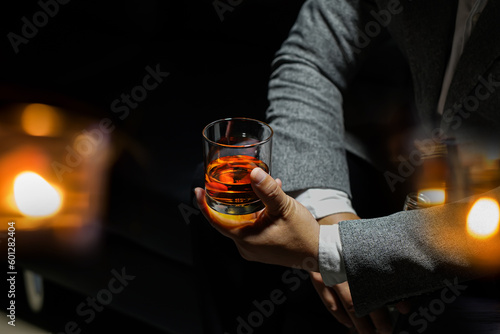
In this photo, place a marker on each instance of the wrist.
(310, 259)
(337, 217)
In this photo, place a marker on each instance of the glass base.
(234, 209)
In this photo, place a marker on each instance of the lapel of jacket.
(479, 53)
(427, 28)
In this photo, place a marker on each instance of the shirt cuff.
(331, 262)
(324, 202)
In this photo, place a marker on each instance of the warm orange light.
(432, 196)
(484, 218)
(35, 197)
(40, 120)
(236, 221)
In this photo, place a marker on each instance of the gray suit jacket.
(408, 253)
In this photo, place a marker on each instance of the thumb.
(269, 191)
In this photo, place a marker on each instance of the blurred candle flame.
(35, 197)
(40, 120)
(484, 218)
(433, 196)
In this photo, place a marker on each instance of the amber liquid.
(227, 179)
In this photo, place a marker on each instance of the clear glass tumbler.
(424, 199)
(232, 148)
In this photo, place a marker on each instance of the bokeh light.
(433, 196)
(484, 218)
(35, 197)
(41, 120)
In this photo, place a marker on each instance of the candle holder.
(53, 170)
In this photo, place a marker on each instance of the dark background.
(84, 58)
(188, 279)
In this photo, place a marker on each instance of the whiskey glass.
(232, 148)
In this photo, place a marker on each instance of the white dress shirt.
(325, 202)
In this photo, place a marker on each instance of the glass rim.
(260, 142)
(417, 199)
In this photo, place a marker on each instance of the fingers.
(382, 321)
(202, 204)
(337, 309)
(225, 224)
(378, 322)
(269, 191)
(330, 300)
(363, 324)
(200, 199)
(316, 277)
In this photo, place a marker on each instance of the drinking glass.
(416, 201)
(232, 148)
(424, 199)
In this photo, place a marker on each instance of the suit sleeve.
(309, 74)
(414, 252)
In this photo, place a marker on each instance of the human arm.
(332, 206)
(311, 71)
(310, 74)
(415, 252)
(399, 256)
(286, 233)
(334, 292)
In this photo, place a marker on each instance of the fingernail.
(258, 175)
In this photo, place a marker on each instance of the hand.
(338, 300)
(284, 233)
